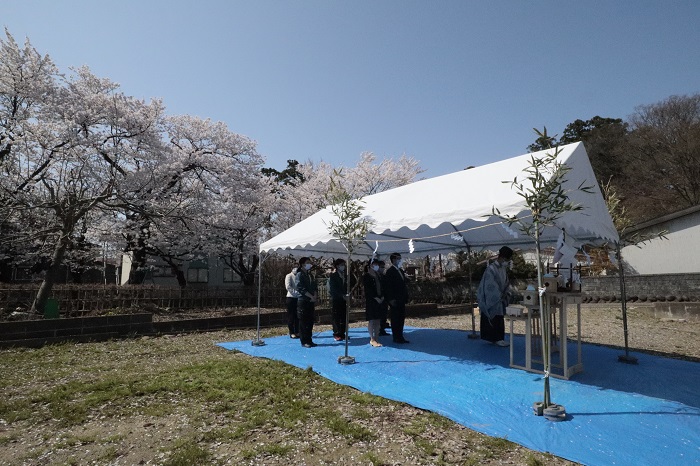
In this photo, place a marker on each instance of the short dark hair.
(303, 260)
(394, 255)
(505, 252)
(337, 262)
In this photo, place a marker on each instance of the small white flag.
(411, 248)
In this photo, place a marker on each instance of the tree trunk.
(51, 277)
(180, 275)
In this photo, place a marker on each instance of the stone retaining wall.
(680, 287)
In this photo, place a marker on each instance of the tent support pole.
(258, 341)
(473, 335)
(626, 358)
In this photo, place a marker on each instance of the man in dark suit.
(396, 293)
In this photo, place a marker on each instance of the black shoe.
(309, 345)
(403, 340)
(383, 333)
(294, 336)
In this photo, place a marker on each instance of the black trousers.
(338, 314)
(493, 330)
(305, 311)
(397, 314)
(292, 319)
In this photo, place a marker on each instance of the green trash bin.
(51, 309)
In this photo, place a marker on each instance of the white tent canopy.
(452, 212)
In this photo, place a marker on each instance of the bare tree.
(664, 147)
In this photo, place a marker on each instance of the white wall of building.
(678, 253)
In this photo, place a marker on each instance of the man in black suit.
(396, 293)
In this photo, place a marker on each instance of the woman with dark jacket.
(306, 303)
(375, 310)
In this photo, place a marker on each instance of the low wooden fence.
(80, 299)
(76, 300)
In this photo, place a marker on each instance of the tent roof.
(450, 212)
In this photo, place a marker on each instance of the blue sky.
(451, 83)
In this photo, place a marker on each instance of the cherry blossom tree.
(199, 194)
(303, 196)
(75, 149)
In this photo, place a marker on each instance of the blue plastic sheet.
(617, 414)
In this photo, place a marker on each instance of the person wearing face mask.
(306, 303)
(375, 310)
(396, 293)
(338, 288)
(290, 283)
(493, 295)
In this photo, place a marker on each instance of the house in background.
(210, 272)
(678, 252)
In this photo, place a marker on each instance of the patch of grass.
(417, 427)
(532, 460)
(275, 449)
(365, 398)
(363, 414)
(498, 443)
(187, 453)
(15, 410)
(351, 430)
(8, 439)
(110, 454)
(426, 446)
(267, 449)
(73, 440)
(372, 458)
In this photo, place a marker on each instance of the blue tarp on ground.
(617, 414)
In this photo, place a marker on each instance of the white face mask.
(307, 266)
(375, 268)
(399, 263)
(341, 268)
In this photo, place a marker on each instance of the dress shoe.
(309, 345)
(383, 333)
(403, 340)
(502, 343)
(337, 338)
(294, 336)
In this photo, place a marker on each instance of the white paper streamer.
(510, 231)
(588, 258)
(411, 248)
(557, 250)
(374, 253)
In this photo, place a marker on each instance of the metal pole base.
(473, 336)
(627, 359)
(258, 342)
(346, 360)
(554, 413)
